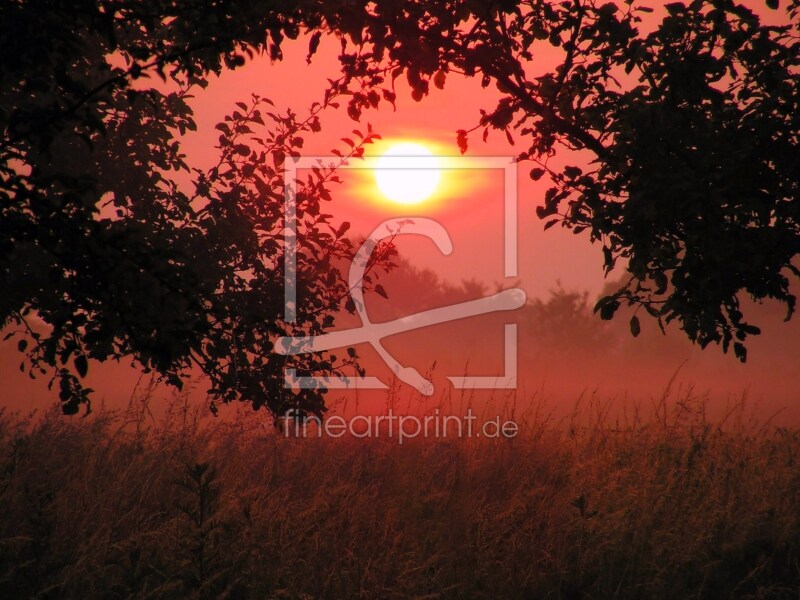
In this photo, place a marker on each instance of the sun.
(407, 173)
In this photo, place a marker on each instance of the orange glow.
(416, 173)
(407, 173)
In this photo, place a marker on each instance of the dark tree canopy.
(686, 132)
(690, 131)
(102, 255)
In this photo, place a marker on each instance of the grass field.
(119, 505)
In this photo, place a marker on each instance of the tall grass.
(120, 505)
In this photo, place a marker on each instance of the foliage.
(103, 255)
(689, 127)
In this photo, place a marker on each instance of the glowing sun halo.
(407, 173)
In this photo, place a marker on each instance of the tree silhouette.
(103, 256)
(690, 131)
(686, 131)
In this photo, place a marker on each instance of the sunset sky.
(468, 204)
(470, 207)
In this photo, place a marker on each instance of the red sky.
(472, 215)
